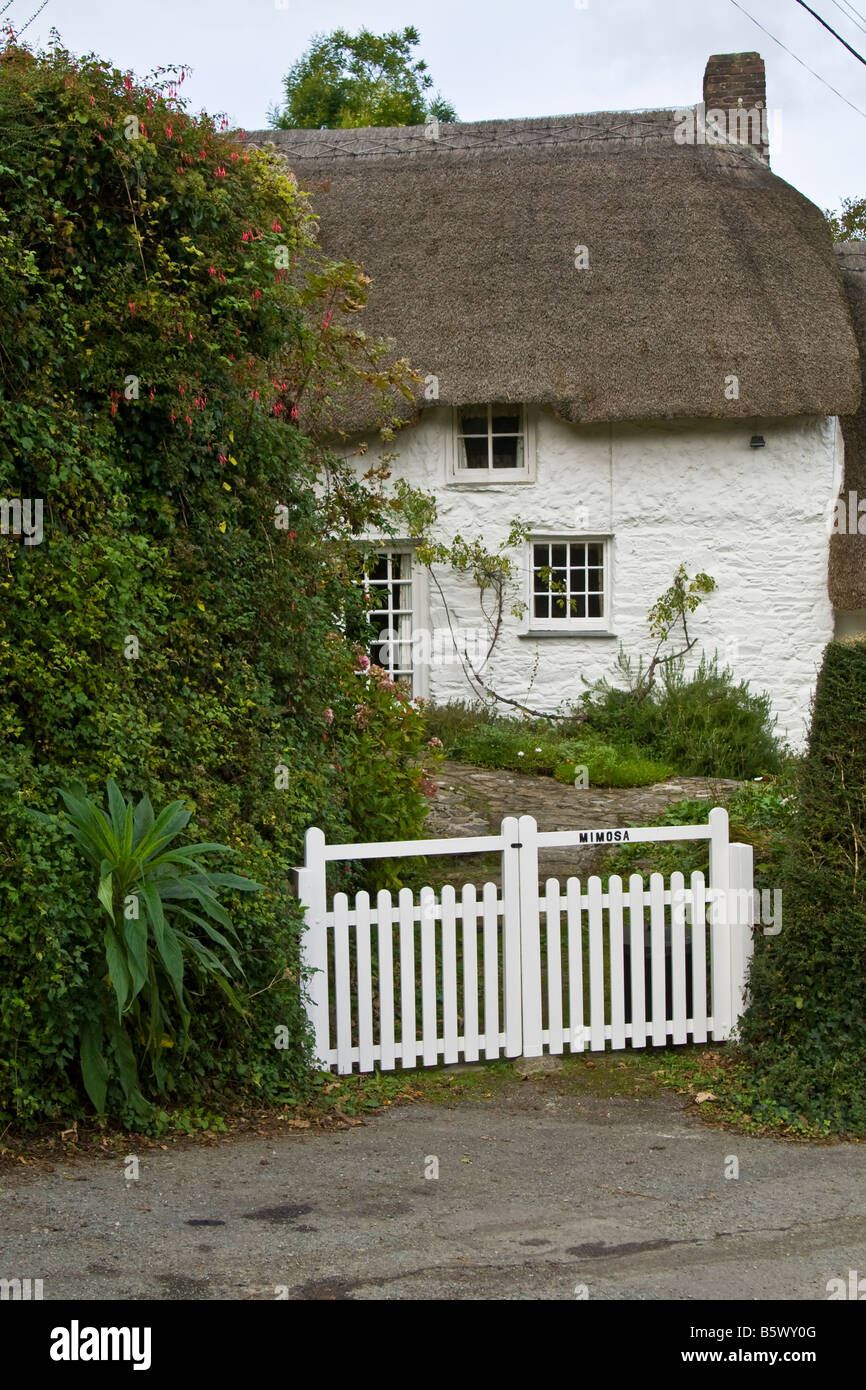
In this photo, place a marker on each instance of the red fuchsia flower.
(257, 294)
(254, 395)
(294, 412)
(211, 270)
(172, 417)
(152, 393)
(292, 535)
(275, 226)
(327, 320)
(329, 716)
(222, 460)
(203, 154)
(93, 101)
(234, 155)
(168, 130)
(132, 306)
(219, 173)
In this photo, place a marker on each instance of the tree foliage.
(366, 79)
(849, 223)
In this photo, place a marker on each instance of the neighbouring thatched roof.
(702, 265)
(847, 567)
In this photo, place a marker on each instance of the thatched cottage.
(634, 337)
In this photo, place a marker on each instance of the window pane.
(579, 607)
(377, 569)
(541, 555)
(505, 423)
(595, 554)
(473, 424)
(595, 606)
(507, 452)
(474, 453)
(578, 554)
(542, 606)
(595, 585)
(558, 554)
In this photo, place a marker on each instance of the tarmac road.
(538, 1196)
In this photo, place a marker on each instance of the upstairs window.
(492, 444)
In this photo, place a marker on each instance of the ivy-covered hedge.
(805, 1031)
(168, 326)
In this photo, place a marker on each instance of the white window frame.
(492, 477)
(416, 609)
(569, 625)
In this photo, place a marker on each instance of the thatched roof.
(702, 264)
(847, 569)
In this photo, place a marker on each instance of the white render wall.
(755, 519)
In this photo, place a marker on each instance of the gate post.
(311, 890)
(743, 919)
(530, 936)
(720, 930)
(511, 984)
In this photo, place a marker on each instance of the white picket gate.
(519, 969)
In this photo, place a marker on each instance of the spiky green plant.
(152, 894)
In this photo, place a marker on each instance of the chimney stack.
(737, 82)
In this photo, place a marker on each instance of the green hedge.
(805, 1031)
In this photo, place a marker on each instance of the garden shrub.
(705, 724)
(804, 1033)
(170, 328)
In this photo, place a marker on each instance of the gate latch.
(517, 846)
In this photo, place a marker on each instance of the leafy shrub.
(167, 633)
(148, 891)
(805, 1030)
(705, 724)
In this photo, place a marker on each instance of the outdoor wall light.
(757, 441)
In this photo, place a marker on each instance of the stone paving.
(473, 800)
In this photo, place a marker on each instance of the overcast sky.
(498, 58)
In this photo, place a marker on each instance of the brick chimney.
(736, 82)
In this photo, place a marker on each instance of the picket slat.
(596, 965)
(469, 910)
(553, 923)
(698, 920)
(678, 958)
(449, 974)
(577, 1038)
(657, 948)
(365, 982)
(502, 984)
(617, 972)
(408, 1016)
(429, 1019)
(385, 940)
(491, 970)
(342, 983)
(637, 942)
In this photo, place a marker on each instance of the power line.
(844, 42)
(849, 6)
(855, 22)
(799, 60)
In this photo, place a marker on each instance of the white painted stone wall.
(755, 519)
